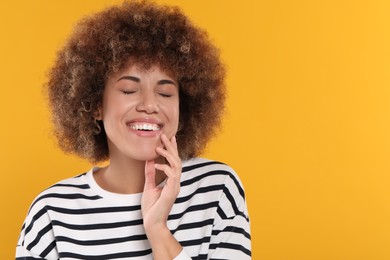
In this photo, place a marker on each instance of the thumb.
(150, 173)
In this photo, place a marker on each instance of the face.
(138, 106)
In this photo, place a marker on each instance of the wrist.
(157, 233)
(164, 244)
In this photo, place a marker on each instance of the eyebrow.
(138, 80)
(135, 79)
(165, 81)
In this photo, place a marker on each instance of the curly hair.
(148, 34)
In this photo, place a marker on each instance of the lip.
(145, 120)
(145, 133)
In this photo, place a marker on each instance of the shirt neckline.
(135, 198)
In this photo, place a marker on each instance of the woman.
(140, 86)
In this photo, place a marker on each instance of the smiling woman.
(133, 84)
(136, 101)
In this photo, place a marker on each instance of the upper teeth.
(145, 126)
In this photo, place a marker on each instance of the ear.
(98, 114)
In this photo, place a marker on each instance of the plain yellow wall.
(307, 128)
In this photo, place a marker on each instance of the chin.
(146, 156)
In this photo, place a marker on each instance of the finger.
(170, 145)
(174, 142)
(150, 173)
(174, 145)
(173, 180)
(173, 160)
(168, 171)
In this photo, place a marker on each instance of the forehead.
(139, 73)
(146, 66)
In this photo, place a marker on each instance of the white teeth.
(145, 127)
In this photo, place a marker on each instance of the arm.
(23, 254)
(157, 203)
(231, 230)
(36, 240)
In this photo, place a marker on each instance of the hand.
(157, 201)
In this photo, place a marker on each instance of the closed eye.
(165, 95)
(128, 92)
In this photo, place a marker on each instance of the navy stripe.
(83, 186)
(221, 213)
(71, 196)
(98, 226)
(22, 231)
(212, 173)
(199, 165)
(231, 229)
(193, 225)
(41, 233)
(80, 175)
(108, 256)
(27, 258)
(49, 249)
(200, 257)
(195, 242)
(199, 191)
(231, 246)
(34, 218)
(93, 210)
(199, 207)
(102, 241)
(231, 200)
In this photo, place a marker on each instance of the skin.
(140, 160)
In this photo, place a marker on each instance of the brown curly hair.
(148, 34)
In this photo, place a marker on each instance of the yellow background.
(308, 125)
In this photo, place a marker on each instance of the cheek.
(172, 115)
(171, 110)
(176, 114)
(115, 107)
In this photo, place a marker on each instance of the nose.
(147, 103)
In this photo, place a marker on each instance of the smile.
(144, 127)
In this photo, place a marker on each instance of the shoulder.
(200, 170)
(67, 189)
(203, 175)
(197, 166)
(38, 222)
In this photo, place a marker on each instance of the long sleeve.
(36, 240)
(231, 231)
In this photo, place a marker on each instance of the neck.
(124, 175)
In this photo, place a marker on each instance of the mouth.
(144, 126)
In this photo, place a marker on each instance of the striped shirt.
(76, 219)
